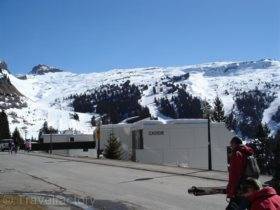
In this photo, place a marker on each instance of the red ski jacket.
(237, 167)
(265, 199)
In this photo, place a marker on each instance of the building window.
(71, 139)
(85, 150)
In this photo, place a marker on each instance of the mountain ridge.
(46, 94)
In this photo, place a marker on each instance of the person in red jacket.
(260, 198)
(237, 167)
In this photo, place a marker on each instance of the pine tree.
(4, 128)
(249, 108)
(218, 112)
(75, 116)
(156, 101)
(276, 164)
(263, 132)
(167, 108)
(154, 90)
(17, 138)
(113, 149)
(188, 106)
(230, 121)
(93, 121)
(45, 128)
(206, 109)
(263, 151)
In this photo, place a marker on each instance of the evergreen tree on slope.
(4, 126)
(218, 113)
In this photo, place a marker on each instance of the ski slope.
(45, 93)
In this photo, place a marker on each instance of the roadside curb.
(196, 173)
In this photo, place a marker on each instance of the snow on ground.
(45, 93)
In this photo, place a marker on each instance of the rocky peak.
(3, 65)
(43, 69)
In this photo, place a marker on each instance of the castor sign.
(156, 133)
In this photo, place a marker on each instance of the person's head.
(235, 142)
(250, 186)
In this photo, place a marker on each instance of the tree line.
(246, 114)
(114, 102)
(5, 131)
(184, 105)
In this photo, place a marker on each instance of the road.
(111, 187)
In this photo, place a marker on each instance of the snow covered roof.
(187, 121)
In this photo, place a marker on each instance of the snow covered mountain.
(46, 89)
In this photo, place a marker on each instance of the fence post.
(209, 145)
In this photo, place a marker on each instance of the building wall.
(76, 152)
(82, 153)
(220, 138)
(122, 132)
(181, 144)
(178, 144)
(66, 137)
(61, 152)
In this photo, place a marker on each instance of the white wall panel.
(176, 157)
(149, 156)
(199, 158)
(220, 138)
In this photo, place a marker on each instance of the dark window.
(71, 139)
(85, 150)
(139, 139)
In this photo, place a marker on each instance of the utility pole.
(98, 138)
(209, 144)
(51, 148)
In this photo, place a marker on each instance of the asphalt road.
(110, 187)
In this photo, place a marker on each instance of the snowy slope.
(45, 93)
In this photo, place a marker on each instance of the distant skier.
(28, 146)
(16, 148)
(10, 147)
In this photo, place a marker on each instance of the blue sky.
(98, 35)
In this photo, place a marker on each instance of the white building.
(181, 142)
(71, 137)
